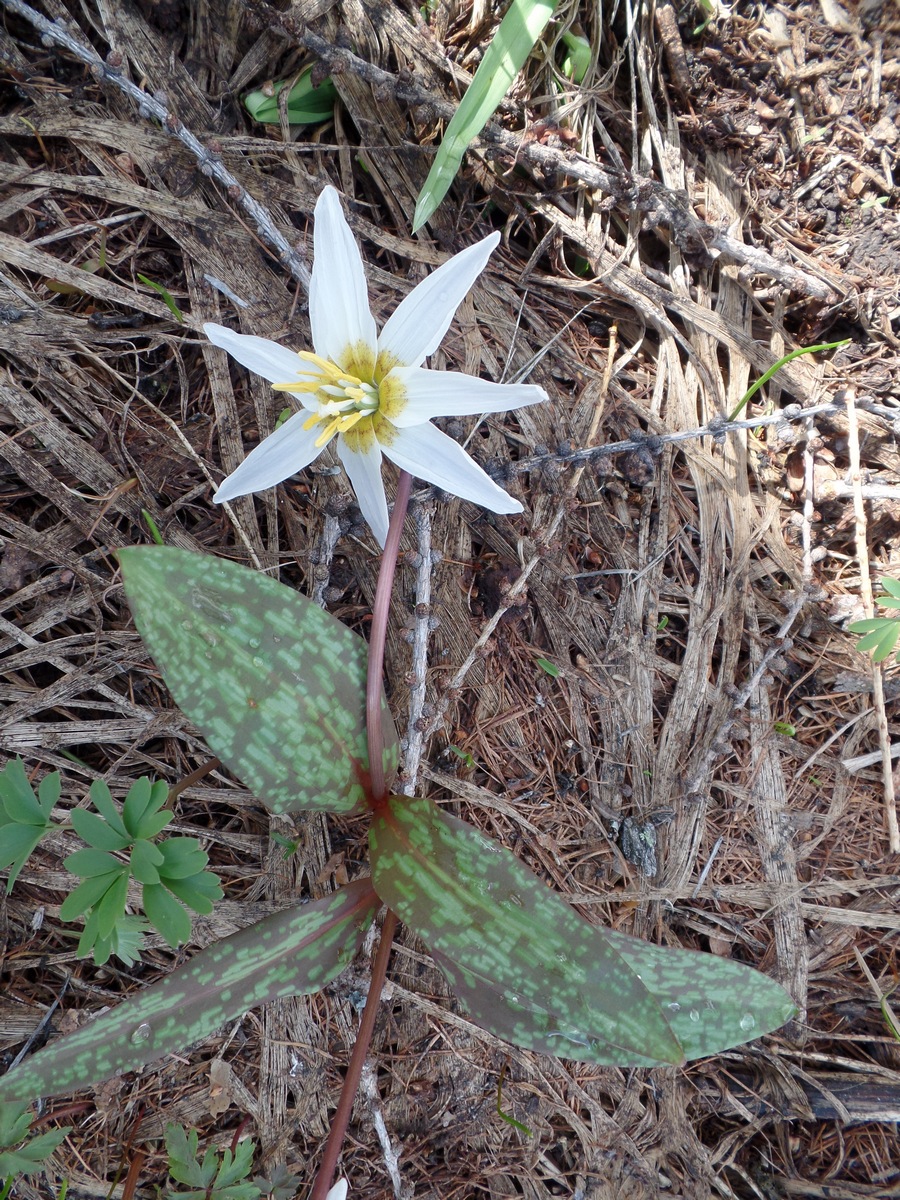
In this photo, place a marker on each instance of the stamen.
(329, 432)
(349, 421)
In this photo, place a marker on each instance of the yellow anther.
(330, 429)
(350, 420)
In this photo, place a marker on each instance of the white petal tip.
(339, 1191)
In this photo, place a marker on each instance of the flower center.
(344, 399)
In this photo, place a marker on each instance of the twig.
(718, 428)
(54, 34)
(415, 738)
(660, 205)
(865, 588)
(369, 1091)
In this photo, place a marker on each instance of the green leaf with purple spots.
(275, 685)
(290, 953)
(531, 970)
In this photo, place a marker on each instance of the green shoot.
(166, 295)
(523, 24)
(577, 62)
(505, 1116)
(306, 103)
(773, 370)
(546, 665)
(153, 527)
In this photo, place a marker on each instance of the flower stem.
(378, 636)
(341, 1120)
(375, 737)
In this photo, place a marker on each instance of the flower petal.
(259, 355)
(430, 455)
(288, 450)
(417, 325)
(343, 329)
(363, 466)
(411, 395)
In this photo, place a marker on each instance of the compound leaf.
(534, 972)
(287, 954)
(276, 685)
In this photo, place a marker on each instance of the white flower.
(370, 390)
(339, 1191)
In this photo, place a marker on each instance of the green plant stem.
(378, 637)
(341, 1120)
(783, 361)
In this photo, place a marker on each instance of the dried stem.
(865, 587)
(154, 108)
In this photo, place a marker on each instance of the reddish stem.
(341, 1120)
(375, 738)
(378, 636)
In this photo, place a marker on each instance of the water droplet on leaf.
(694, 1015)
(747, 1022)
(674, 1007)
(141, 1033)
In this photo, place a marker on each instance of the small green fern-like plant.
(19, 1153)
(881, 634)
(218, 1175)
(171, 873)
(121, 847)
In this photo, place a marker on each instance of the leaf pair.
(278, 688)
(306, 104)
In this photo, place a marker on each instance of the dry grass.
(658, 581)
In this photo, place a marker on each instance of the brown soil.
(700, 205)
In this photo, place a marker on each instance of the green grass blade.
(523, 24)
(289, 953)
(776, 367)
(169, 303)
(532, 971)
(276, 685)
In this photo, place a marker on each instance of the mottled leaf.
(534, 972)
(287, 954)
(276, 685)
